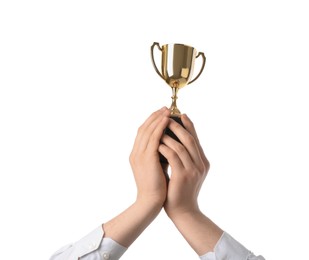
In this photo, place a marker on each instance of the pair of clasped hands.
(177, 193)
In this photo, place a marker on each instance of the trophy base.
(168, 132)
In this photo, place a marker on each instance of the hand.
(150, 181)
(148, 173)
(189, 167)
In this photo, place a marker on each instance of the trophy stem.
(174, 110)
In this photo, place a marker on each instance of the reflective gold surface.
(177, 66)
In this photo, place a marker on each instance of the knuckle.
(131, 158)
(202, 168)
(189, 122)
(207, 165)
(172, 154)
(153, 138)
(179, 148)
(154, 114)
(190, 140)
(177, 126)
(140, 129)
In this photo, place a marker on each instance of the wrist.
(184, 214)
(199, 231)
(128, 225)
(149, 203)
(174, 211)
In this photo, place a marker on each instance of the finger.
(187, 139)
(157, 129)
(188, 124)
(171, 156)
(142, 137)
(154, 115)
(154, 130)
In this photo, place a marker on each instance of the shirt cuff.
(228, 248)
(94, 246)
(110, 249)
(91, 247)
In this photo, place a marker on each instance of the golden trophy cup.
(177, 66)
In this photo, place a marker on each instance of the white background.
(76, 81)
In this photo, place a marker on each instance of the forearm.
(128, 225)
(199, 231)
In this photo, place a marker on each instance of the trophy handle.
(152, 57)
(202, 68)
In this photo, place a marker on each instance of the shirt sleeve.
(228, 248)
(91, 247)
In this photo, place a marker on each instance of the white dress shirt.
(95, 247)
